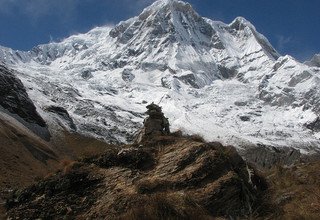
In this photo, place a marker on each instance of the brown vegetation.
(75, 146)
(295, 191)
(166, 206)
(168, 178)
(63, 195)
(197, 137)
(24, 156)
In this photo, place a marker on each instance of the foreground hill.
(158, 177)
(28, 150)
(170, 177)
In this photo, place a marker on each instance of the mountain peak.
(242, 24)
(169, 6)
(163, 3)
(203, 72)
(315, 61)
(239, 23)
(165, 18)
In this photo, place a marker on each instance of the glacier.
(224, 82)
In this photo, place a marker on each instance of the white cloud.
(137, 5)
(282, 41)
(62, 9)
(35, 9)
(65, 12)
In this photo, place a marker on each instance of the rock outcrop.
(14, 98)
(169, 176)
(15, 101)
(166, 177)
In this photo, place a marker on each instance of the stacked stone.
(156, 123)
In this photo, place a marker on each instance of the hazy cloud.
(283, 41)
(137, 5)
(64, 10)
(35, 9)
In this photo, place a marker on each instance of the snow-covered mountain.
(315, 61)
(223, 81)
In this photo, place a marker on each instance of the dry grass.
(194, 137)
(20, 163)
(77, 146)
(197, 138)
(67, 165)
(166, 206)
(177, 134)
(296, 191)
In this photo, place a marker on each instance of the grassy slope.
(295, 191)
(26, 158)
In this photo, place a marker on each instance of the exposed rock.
(185, 180)
(63, 113)
(156, 124)
(245, 118)
(315, 61)
(303, 76)
(315, 125)
(127, 75)
(15, 101)
(190, 79)
(67, 193)
(239, 103)
(14, 98)
(265, 157)
(226, 72)
(165, 83)
(86, 74)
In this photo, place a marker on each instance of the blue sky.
(292, 26)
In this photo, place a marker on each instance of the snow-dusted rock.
(315, 61)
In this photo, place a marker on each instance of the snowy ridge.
(315, 61)
(223, 81)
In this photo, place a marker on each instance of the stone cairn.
(156, 124)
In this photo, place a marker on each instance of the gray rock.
(245, 118)
(15, 101)
(264, 157)
(86, 74)
(127, 75)
(63, 113)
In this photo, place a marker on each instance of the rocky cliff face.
(15, 101)
(14, 98)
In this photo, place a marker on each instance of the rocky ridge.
(167, 177)
(315, 61)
